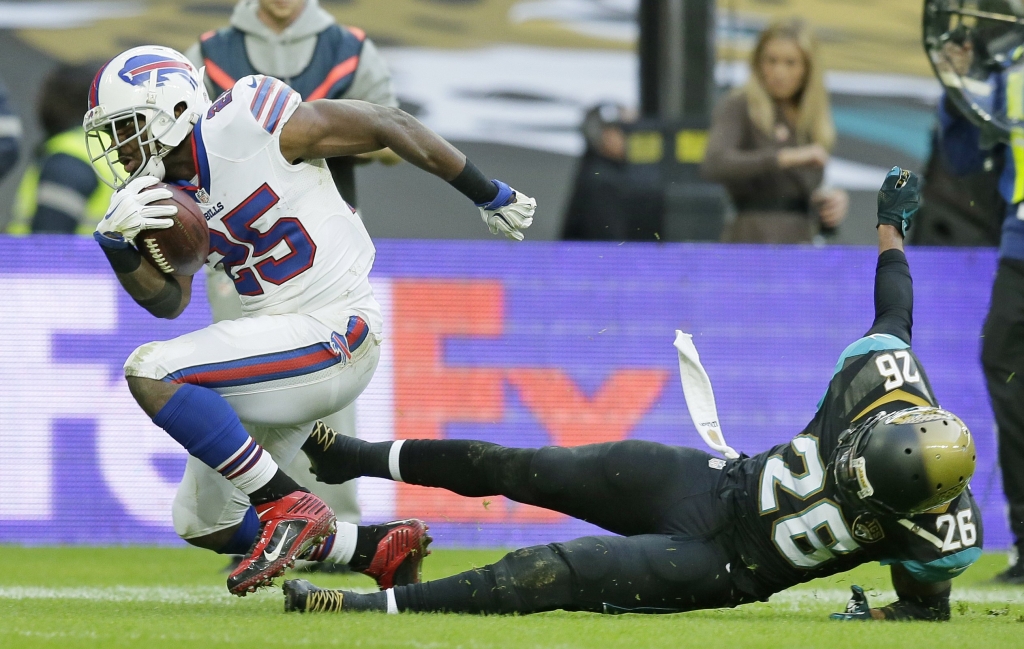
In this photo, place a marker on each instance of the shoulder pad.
(249, 116)
(268, 100)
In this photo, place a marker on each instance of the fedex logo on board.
(103, 454)
(431, 395)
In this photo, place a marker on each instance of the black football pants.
(664, 500)
(1002, 357)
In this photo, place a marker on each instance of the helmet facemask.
(852, 485)
(147, 126)
(904, 463)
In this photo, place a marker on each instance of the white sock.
(344, 544)
(393, 454)
(249, 468)
(392, 603)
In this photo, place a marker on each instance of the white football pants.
(280, 373)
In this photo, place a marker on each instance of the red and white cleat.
(398, 560)
(288, 527)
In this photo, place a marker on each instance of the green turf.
(114, 597)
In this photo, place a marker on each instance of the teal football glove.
(899, 199)
(857, 608)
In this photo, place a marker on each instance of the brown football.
(182, 248)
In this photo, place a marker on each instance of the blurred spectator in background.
(299, 43)
(612, 201)
(770, 141)
(959, 211)
(60, 192)
(10, 133)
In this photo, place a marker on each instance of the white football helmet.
(144, 82)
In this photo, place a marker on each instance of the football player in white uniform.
(300, 260)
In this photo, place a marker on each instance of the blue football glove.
(857, 608)
(899, 199)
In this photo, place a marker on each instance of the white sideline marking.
(800, 597)
(161, 594)
(794, 599)
(167, 594)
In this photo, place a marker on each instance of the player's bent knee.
(531, 580)
(192, 531)
(140, 362)
(214, 541)
(150, 394)
(186, 523)
(552, 469)
(143, 373)
(590, 557)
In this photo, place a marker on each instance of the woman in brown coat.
(770, 141)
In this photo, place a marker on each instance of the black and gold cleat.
(333, 458)
(302, 596)
(323, 436)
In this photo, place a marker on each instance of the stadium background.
(551, 343)
(519, 344)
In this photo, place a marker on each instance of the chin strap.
(154, 167)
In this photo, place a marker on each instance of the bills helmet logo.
(138, 69)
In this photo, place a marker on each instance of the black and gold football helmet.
(904, 463)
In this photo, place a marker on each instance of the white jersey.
(281, 231)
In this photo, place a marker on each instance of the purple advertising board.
(519, 344)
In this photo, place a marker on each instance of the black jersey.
(792, 527)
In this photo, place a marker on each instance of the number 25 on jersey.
(252, 257)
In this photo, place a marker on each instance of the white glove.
(511, 218)
(130, 212)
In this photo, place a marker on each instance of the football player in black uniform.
(879, 474)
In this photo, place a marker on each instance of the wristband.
(122, 260)
(474, 185)
(505, 196)
(166, 301)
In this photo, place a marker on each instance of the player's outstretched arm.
(898, 200)
(335, 127)
(330, 128)
(164, 296)
(918, 600)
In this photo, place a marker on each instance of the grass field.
(111, 597)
